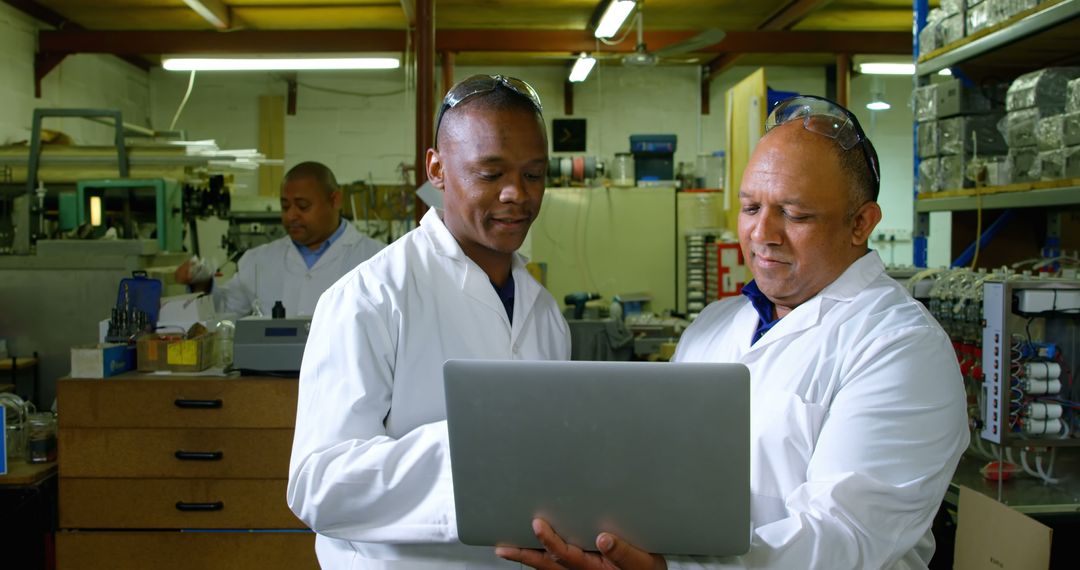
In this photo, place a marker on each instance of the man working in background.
(320, 248)
(858, 410)
(370, 468)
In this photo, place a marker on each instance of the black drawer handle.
(199, 455)
(198, 404)
(215, 506)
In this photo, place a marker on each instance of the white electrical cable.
(183, 102)
(1038, 467)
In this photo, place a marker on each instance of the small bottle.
(41, 438)
(278, 312)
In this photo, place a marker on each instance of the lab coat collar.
(343, 243)
(851, 282)
(476, 283)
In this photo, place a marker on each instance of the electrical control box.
(1029, 348)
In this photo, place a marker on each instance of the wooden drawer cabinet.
(159, 454)
(99, 550)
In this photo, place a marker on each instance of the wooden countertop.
(136, 375)
(17, 363)
(23, 474)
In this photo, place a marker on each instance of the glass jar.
(622, 170)
(41, 438)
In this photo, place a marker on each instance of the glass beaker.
(41, 437)
(622, 169)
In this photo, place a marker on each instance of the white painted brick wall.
(85, 81)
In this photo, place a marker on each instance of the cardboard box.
(991, 535)
(101, 360)
(164, 352)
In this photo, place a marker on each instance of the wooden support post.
(425, 92)
(447, 71)
(568, 98)
(843, 79)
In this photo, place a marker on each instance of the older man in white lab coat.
(295, 269)
(858, 413)
(370, 469)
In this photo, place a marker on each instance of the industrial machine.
(270, 345)
(1016, 339)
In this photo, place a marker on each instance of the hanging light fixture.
(582, 67)
(614, 15)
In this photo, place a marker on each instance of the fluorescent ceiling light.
(213, 11)
(881, 68)
(279, 64)
(582, 67)
(613, 18)
(878, 106)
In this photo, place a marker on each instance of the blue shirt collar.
(764, 307)
(312, 257)
(506, 295)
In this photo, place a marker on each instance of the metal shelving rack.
(1026, 42)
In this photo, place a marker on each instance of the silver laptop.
(657, 453)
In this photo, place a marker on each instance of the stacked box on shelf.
(965, 129)
(1035, 123)
(1070, 131)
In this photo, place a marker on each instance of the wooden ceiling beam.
(323, 41)
(791, 14)
(215, 43)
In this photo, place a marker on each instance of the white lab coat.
(277, 272)
(857, 423)
(370, 468)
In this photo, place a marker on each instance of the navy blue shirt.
(506, 295)
(764, 307)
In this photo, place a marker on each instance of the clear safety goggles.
(826, 118)
(480, 84)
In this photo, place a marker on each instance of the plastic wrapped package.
(929, 37)
(977, 18)
(1045, 88)
(928, 139)
(952, 7)
(997, 171)
(925, 103)
(1020, 127)
(1071, 157)
(1050, 132)
(928, 175)
(951, 30)
(1070, 129)
(969, 135)
(1021, 163)
(1072, 97)
(954, 98)
(1049, 165)
(951, 173)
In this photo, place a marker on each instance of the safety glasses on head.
(480, 84)
(829, 119)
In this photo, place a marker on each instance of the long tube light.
(95, 211)
(613, 18)
(882, 68)
(279, 64)
(582, 66)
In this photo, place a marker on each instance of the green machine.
(135, 206)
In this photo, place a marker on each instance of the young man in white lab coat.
(370, 468)
(295, 269)
(858, 411)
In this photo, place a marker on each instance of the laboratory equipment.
(137, 207)
(654, 156)
(270, 345)
(577, 300)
